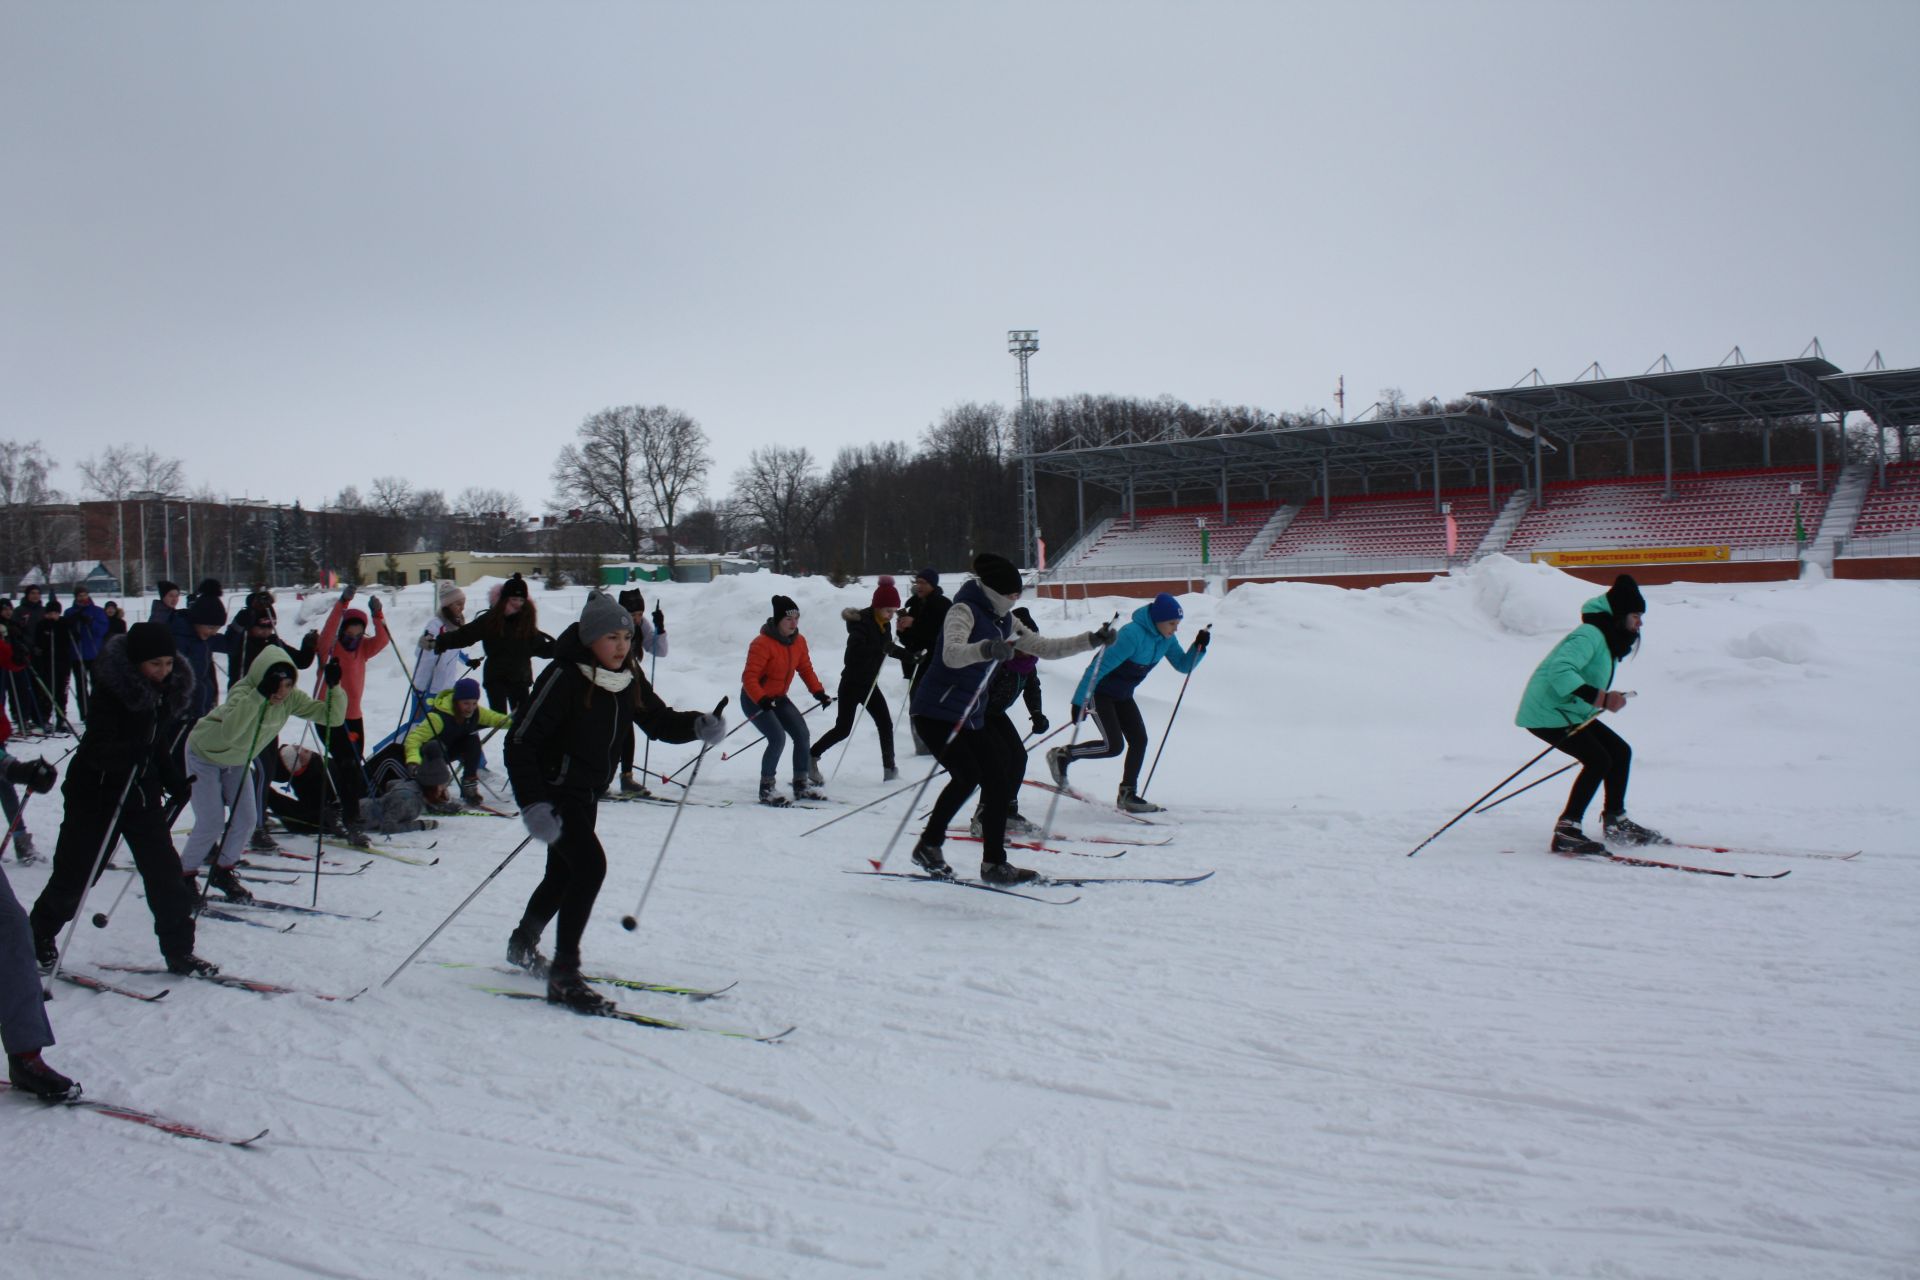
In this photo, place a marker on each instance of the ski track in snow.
(1330, 1060)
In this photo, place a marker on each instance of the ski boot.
(632, 786)
(1057, 766)
(29, 1073)
(929, 859)
(189, 965)
(1129, 801)
(45, 953)
(814, 775)
(1018, 824)
(770, 794)
(1569, 839)
(566, 987)
(805, 789)
(23, 847)
(262, 841)
(1623, 830)
(523, 952)
(357, 837)
(1006, 873)
(889, 773)
(223, 878)
(470, 796)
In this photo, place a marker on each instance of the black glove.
(659, 620)
(346, 596)
(473, 664)
(373, 603)
(1106, 635)
(1200, 641)
(999, 650)
(1040, 722)
(35, 775)
(331, 672)
(820, 696)
(772, 702)
(1078, 713)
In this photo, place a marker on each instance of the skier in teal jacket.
(1562, 705)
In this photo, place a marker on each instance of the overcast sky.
(301, 245)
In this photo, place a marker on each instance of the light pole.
(1022, 344)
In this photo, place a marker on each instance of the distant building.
(91, 574)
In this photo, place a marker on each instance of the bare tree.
(675, 462)
(493, 516)
(122, 470)
(781, 490)
(604, 473)
(391, 496)
(29, 529)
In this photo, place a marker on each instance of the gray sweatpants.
(23, 1012)
(214, 788)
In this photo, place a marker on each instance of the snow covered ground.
(1328, 1061)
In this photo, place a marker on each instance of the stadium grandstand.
(1747, 471)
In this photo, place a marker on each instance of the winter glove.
(710, 727)
(1040, 723)
(35, 775)
(346, 596)
(772, 702)
(541, 822)
(1200, 641)
(1079, 712)
(820, 696)
(473, 664)
(659, 621)
(373, 604)
(331, 673)
(1105, 636)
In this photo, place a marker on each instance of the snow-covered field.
(1328, 1061)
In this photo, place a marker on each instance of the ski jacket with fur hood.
(133, 727)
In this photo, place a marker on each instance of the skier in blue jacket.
(1143, 642)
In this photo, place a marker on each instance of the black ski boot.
(1568, 838)
(929, 859)
(1129, 801)
(23, 848)
(565, 986)
(45, 953)
(29, 1073)
(1057, 765)
(262, 841)
(189, 965)
(1006, 873)
(223, 878)
(805, 790)
(889, 773)
(770, 794)
(523, 952)
(1623, 830)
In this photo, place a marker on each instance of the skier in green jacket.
(1562, 706)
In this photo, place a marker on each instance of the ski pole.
(880, 863)
(1552, 746)
(674, 776)
(19, 822)
(646, 752)
(868, 805)
(632, 922)
(763, 737)
(1530, 786)
(871, 690)
(1073, 739)
(457, 910)
(107, 842)
(1205, 631)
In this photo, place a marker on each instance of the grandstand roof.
(1890, 396)
(1285, 453)
(1688, 398)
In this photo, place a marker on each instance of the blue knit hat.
(1165, 609)
(929, 576)
(467, 690)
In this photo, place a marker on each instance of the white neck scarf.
(611, 681)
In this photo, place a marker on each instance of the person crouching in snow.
(560, 756)
(651, 634)
(454, 723)
(1562, 705)
(1108, 690)
(978, 633)
(776, 655)
(222, 750)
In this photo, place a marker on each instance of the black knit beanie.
(1624, 597)
(996, 573)
(514, 586)
(149, 640)
(782, 606)
(632, 601)
(207, 611)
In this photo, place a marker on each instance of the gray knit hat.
(601, 617)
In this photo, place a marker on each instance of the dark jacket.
(928, 615)
(509, 657)
(244, 648)
(1019, 678)
(869, 644)
(133, 727)
(197, 655)
(566, 743)
(85, 626)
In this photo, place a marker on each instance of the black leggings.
(1604, 757)
(974, 758)
(576, 865)
(507, 698)
(849, 707)
(1012, 752)
(144, 825)
(1120, 726)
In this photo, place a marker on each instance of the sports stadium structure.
(1593, 475)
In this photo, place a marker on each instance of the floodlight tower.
(1021, 344)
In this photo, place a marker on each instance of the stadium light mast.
(1021, 344)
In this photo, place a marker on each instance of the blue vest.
(944, 691)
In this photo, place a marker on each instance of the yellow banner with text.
(1633, 555)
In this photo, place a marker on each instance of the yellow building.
(468, 567)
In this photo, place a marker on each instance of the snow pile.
(1329, 1060)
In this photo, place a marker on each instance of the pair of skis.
(1043, 882)
(178, 1128)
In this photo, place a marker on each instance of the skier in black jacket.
(869, 644)
(140, 710)
(919, 626)
(560, 756)
(511, 633)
